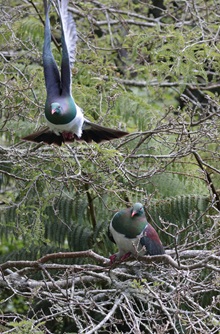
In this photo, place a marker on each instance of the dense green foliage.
(153, 74)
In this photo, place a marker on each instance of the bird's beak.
(133, 213)
(53, 111)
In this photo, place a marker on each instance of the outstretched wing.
(51, 72)
(69, 29)
(69, 39)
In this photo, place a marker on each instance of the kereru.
(64, 117)
(132, 234)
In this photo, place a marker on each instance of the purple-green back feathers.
(131, 231)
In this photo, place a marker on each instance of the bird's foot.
(113, 258)
(67, 136)
(125, 256)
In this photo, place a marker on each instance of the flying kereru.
(132, 234)
(64, 117)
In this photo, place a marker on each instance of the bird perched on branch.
(132, 234)
(64, 117)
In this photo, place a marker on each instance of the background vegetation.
(148, 67)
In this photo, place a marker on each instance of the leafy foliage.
(65, 224)
(151, 69)
(185, 217)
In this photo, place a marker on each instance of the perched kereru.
(64, 117)
(132, 234)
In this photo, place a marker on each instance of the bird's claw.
(67, 135)
(113, 258)
(125, 256)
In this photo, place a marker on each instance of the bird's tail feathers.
(91, 132)
(98, 133)
(45, 135)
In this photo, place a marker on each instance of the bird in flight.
(65, 119)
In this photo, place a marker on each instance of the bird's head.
(137, 209)
(56, 108)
